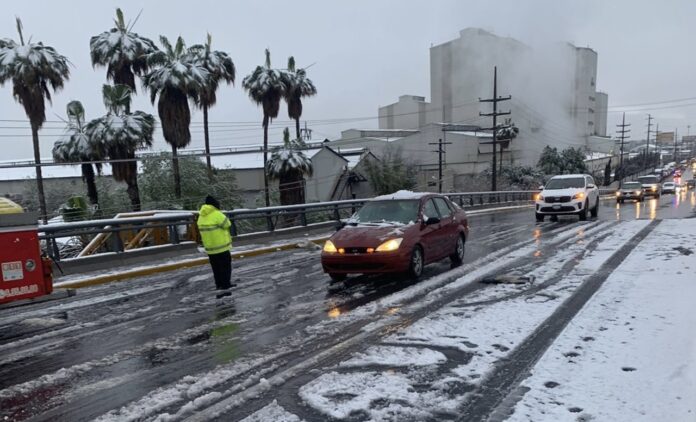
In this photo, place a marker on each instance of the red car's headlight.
(330, 247)
(389, 245)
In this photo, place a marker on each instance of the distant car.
(397, 233)
(691, 184)
(651, 186)
(669, 187)
(567, 195)
(677, 173)
(630, 191)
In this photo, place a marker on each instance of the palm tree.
(175, 78)
(34, 70)
(289, 165)
(299, 86)
(221, 68)
(74, 146)
(120, 133)
(507, 133)
(266, 87)
(122, 52)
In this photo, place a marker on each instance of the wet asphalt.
(80, 357)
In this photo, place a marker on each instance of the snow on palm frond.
(509, 132)
(75, 145)
(32, 68)
(289, 158)
(118, 129)
(298, 86)
(218, 64)
(266, 86)
(122, 52)
(173, 70)
(123, 131)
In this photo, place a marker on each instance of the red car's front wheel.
(415, 267)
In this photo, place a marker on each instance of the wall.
(328, 168)
(408, 113)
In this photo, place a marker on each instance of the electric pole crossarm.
(494, 100)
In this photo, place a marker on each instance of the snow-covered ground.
(630, 354)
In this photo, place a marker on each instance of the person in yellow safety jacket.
(214, 228)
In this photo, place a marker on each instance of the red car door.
(447, 233)
(430, 232)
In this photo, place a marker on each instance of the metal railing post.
(233, 227)
(116, 242)
(337, 216)
(173, 234)
(303, 216)
(55, 251)
(269, 221)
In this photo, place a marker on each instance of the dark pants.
(222, 269)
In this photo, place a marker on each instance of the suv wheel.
(539, 217)
(595, 209)
(583, 212)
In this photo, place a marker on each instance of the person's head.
(209, 200)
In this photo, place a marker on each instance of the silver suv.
(570, 194)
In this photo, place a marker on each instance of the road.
(163, 345)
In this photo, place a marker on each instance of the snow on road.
(474, 337)
(630, 354)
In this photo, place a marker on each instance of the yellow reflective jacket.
(215, 230)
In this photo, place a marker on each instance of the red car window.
(430, 210)
(443, 207)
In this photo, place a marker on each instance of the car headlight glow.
(389, 245)
(579, 195)
(540, 197)
(653, 188)
(618, 193)
(330, 247)
(638, 192)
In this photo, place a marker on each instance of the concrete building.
(554, 95)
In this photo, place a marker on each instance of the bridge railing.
(180, 226)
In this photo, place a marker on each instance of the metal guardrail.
(247, 221)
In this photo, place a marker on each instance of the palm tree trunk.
(297, 127)
(175, 169)
(88, 176)
(39, 175)
(265, 160)
(133, 193)
(207, 143)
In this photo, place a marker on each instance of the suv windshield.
(632, 185)
(646, 180)
(565, 183)
(394, 211)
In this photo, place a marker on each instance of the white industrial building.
(554, 101)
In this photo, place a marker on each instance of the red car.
(401, 232)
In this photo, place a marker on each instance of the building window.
(592, 98)
(592, 82)
(590, 110)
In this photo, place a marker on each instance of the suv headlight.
(579, 195)
(540, 197)
(330, 247)
(390, 245)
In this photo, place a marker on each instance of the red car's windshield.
(392, 211)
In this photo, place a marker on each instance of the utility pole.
(647, 140)
(676, 160)
(440, 153)
(495, 100)
(657, 149)
(623, 136)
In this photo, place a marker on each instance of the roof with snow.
(402, 194)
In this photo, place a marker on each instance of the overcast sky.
(364, 53)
